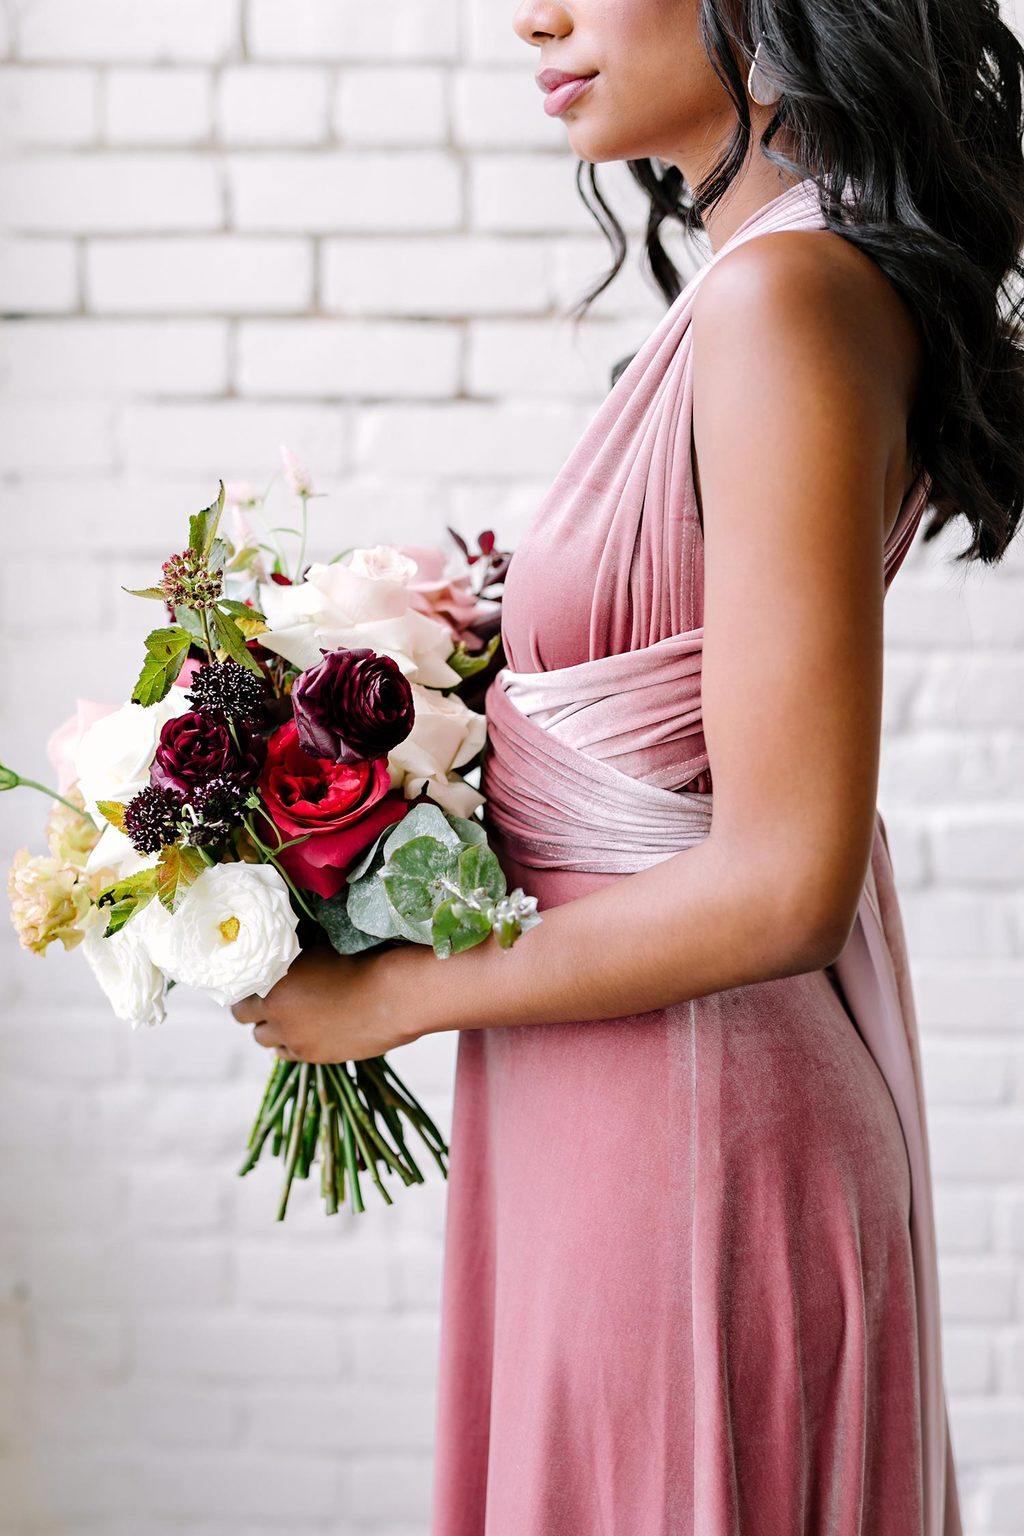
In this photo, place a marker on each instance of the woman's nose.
(538, 20)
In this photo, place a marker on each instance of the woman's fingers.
(250, 1010)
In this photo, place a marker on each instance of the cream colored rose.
(48, 901)
(134, 986)
(445, 736)
(364, 601)
(232, 935)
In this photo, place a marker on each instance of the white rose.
(122, 965)
(445, 735)
(113, 758)
(362, 602)
(232, 935)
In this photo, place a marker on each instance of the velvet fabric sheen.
(690, 1279)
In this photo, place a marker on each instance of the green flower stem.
(302, 540)
(380, 1068)
(350, 1164)
(271, 1120)
(294, 1138)
(279, 1070)
(310, 1136)
(354, 1118)
(271, 859)
(364, 1121)
(20, 782)
(328, 1131)
(393, 1121)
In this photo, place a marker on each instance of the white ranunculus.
(113, 758)
(362, 601)
(232, 935)
(445, 736)
(134, 986)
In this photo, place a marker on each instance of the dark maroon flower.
(353, 706)
(152, 819)
(226, 688)
(197, 747)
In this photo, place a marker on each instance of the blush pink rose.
(442, 590)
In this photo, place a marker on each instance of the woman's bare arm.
(802, 384)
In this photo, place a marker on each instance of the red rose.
(340, 808)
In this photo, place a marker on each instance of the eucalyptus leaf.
(374, 853)
(456, 927)
(470, 830)
(478, 869)
(166, 651)
(423, 820)
(411, 877)
(333, 916)
(370, 910)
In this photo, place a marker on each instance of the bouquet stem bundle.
(352, 1114)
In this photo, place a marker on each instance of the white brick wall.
(348, 227)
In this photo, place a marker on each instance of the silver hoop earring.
(759, 88)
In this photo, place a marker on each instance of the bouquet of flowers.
(291, 769)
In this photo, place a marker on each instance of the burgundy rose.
(196, 747)
(339, 808)
(353, 706)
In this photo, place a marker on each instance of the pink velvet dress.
(690, 1277)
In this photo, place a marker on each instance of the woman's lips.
(561, 89)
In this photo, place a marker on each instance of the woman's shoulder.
(797, 296)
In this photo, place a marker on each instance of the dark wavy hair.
(916, 104)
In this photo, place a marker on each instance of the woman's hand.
(333, 1007)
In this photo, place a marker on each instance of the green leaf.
(112, 811)
(370, 910)
(411, 877)
(167, 649)
(334, 918)
(233, 642)
(478, 869)
(190, 622)
(469, 663)
(217, 558)
(456, 927)
(240, 610)
(8, 778)
(423, 820)
(142, 883)
(156, 593)
(373, 855)
(121, 911)
(179, 867)
(202, 528)
(470, 830)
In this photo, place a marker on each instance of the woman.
(690, 1275)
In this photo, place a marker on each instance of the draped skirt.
(679, 1294)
